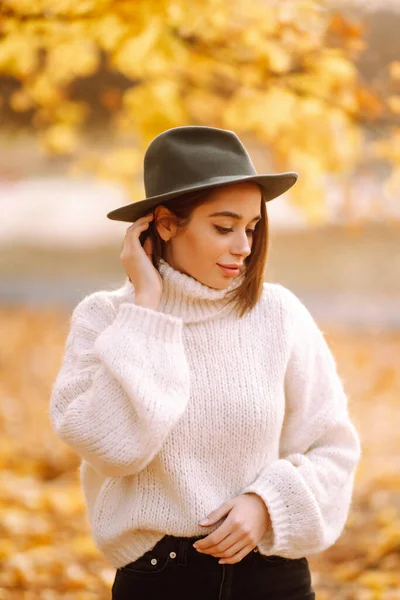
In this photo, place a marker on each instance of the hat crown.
(184, 157)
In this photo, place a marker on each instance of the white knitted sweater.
(175, 411)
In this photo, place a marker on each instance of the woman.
(197, 390)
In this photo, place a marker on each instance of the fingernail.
(204, 522)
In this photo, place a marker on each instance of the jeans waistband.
(182, 546)
(179, 544)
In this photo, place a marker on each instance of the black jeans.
(174, 569)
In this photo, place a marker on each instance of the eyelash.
(224, 230)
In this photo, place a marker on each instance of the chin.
(220, 286)
(217, 282)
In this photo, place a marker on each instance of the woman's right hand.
(138, 265)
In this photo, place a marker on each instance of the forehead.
(242, 198)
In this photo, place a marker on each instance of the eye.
(224, 230)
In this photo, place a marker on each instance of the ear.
(164, 222)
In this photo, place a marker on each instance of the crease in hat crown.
(196, 157)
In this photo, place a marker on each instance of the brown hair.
(246, 295)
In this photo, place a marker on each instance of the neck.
(187, 298)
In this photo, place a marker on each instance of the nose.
(242, 246)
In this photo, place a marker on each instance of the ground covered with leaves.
(46, 551)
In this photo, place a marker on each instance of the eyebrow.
(228, 213)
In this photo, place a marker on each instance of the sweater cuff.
(151, 322)
(267, 485)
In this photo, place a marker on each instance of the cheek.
(213, 244)
(205, 244)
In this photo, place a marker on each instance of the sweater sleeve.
(308, 489)
(122, 386)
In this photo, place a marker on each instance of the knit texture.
(175, 411)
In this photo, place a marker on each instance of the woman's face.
(210, 240)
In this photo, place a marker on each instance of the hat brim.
(272, 185)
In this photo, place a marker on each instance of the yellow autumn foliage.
(267, 71)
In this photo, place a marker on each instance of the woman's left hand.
(245, 525)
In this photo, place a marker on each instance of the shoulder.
(305, 341)
(292, 309)
(281, 297)
(98, 309)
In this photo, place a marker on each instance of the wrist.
(146, 302)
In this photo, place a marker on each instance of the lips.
(231, 272)
(230, 266)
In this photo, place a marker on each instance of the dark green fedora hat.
(189, 158)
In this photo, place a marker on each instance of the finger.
(228, 542)
(238, 556)
(136, 231)
(233, 545)
(140, 220)
(217, 535)
(212, 539)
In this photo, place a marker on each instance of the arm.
(122, 386)
(308, 490)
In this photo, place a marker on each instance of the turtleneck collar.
(187, 298)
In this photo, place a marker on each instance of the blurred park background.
(308, 86)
